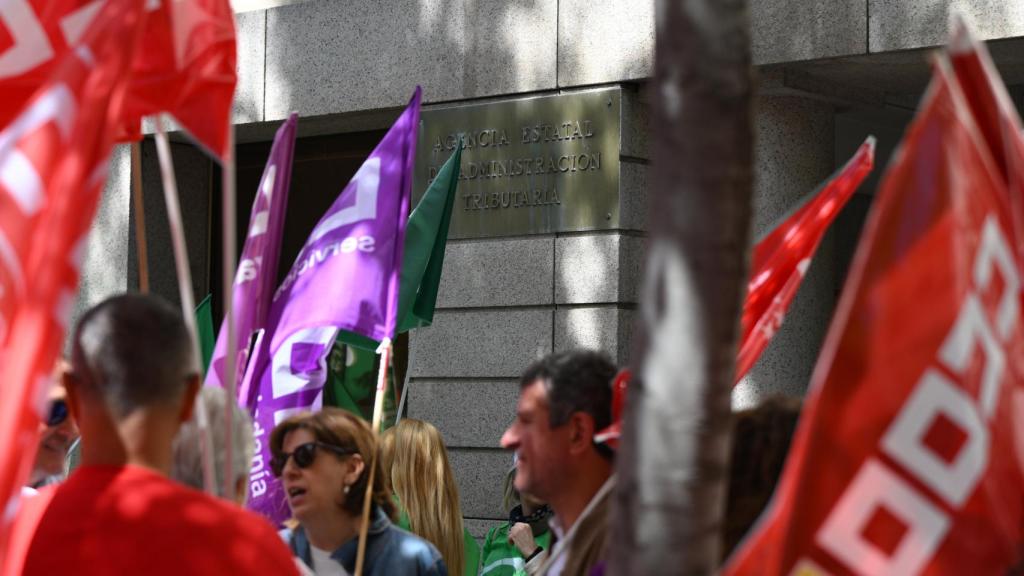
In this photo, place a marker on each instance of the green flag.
(423, 256)
(425, 240)
(206, 334)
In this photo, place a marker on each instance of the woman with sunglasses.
(323, 462)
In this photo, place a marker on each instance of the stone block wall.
(505, 302)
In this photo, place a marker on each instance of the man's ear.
(188, 403)
(581, 432)
(71, 386)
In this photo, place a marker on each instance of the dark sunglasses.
(304, 455)
(58, 413)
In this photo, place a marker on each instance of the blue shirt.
(389, 550)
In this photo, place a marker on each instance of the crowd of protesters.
(135, 503)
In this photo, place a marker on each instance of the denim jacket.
(389, 550)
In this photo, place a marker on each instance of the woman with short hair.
(323, 460)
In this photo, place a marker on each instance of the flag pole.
(140, 217)
(229, 254)
(405, 395)
(163, 151)
(378, 408)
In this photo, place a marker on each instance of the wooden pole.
(670, 492)
(378, 411)
(229, 255)
(188, 304)
(140, 218)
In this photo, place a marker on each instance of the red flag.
(34, 37)
(53, 161)
(779, 263)
(186, 67)
(781, 259)
(907, 460)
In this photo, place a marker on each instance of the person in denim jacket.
(323, 461)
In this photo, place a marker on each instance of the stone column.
(794, 153)
(193, 171)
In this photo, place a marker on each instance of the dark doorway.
(323, 166)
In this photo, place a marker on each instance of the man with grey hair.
(187, 466)
(132, 382)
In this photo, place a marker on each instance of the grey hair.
(187, 467)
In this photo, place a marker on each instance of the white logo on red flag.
(909, 459)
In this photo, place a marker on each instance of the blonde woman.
(422, 480)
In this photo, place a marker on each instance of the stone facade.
(829, 74)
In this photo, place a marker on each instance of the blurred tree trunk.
(673, 462)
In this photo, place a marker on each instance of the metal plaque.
(529, 166)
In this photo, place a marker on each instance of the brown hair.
(423, 481)
(760, 443)
(343, 429)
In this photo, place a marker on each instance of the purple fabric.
(257, 267)
(345, 278)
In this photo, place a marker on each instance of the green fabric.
(204, 326)
(352, 383)
(403, 521)
(470, 549)
(470, 554)
(425, 240)
(423, 256)
(499, 556)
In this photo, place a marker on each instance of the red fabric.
(779, 263)
(781, 259)
(907, 459)
(130, 520)
(34, 37)
(186, 66)
(53, 160)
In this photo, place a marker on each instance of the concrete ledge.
(329, 57)
(607, 329)
(497, 343)
(468, 414)
(793, 30)
(481, 478)
(497, 273)
(924, 23)
(251, 31)
(600, 268)
(602, 41)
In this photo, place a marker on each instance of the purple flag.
(345, 278)
(257, 268)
